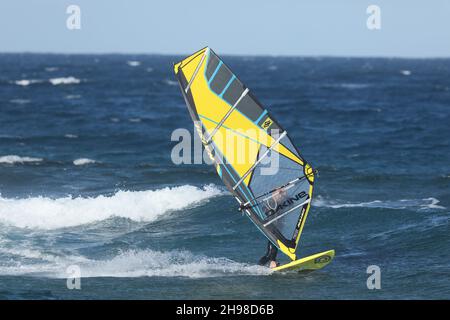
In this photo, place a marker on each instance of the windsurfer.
(270, 258)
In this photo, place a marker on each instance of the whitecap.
(405, 72)
(142, 206)
(12, 159)
(171, 82)
(26, 82)
(64, 80)
(83, 161)
(134, 63)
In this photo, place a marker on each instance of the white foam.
(170, 82)
(132, 263)
(30, 253)
(73, 96)
(20, 101)
(167, 264)
(70, 136)
(12, 159)
(433, 204)
(143, 206)
(18, 259)
(419, 204)
(405, 72)
(133, 63)
(135, 119)
(51, 69)
(64, 80)
(26, 82)
(83, 161)
(353, 85)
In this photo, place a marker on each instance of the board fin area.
(314, 262)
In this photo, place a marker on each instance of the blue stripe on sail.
(228, 84)
(261, 116)
(215, 72)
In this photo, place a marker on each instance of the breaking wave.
(142, 206)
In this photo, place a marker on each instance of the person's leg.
(265, 259)
(272, 255)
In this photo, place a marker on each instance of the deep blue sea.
(86, 180)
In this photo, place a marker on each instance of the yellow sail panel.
(238, 149)
(190, 62)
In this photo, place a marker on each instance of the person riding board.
(270, 258)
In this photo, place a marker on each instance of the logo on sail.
(279, 201)
(266, 123)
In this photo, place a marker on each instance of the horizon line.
(263, 55)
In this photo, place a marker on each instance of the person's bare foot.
(272, 264)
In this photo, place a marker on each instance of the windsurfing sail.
(240, 135)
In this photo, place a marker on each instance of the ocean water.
(86, 180)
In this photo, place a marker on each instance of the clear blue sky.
(413, 28)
